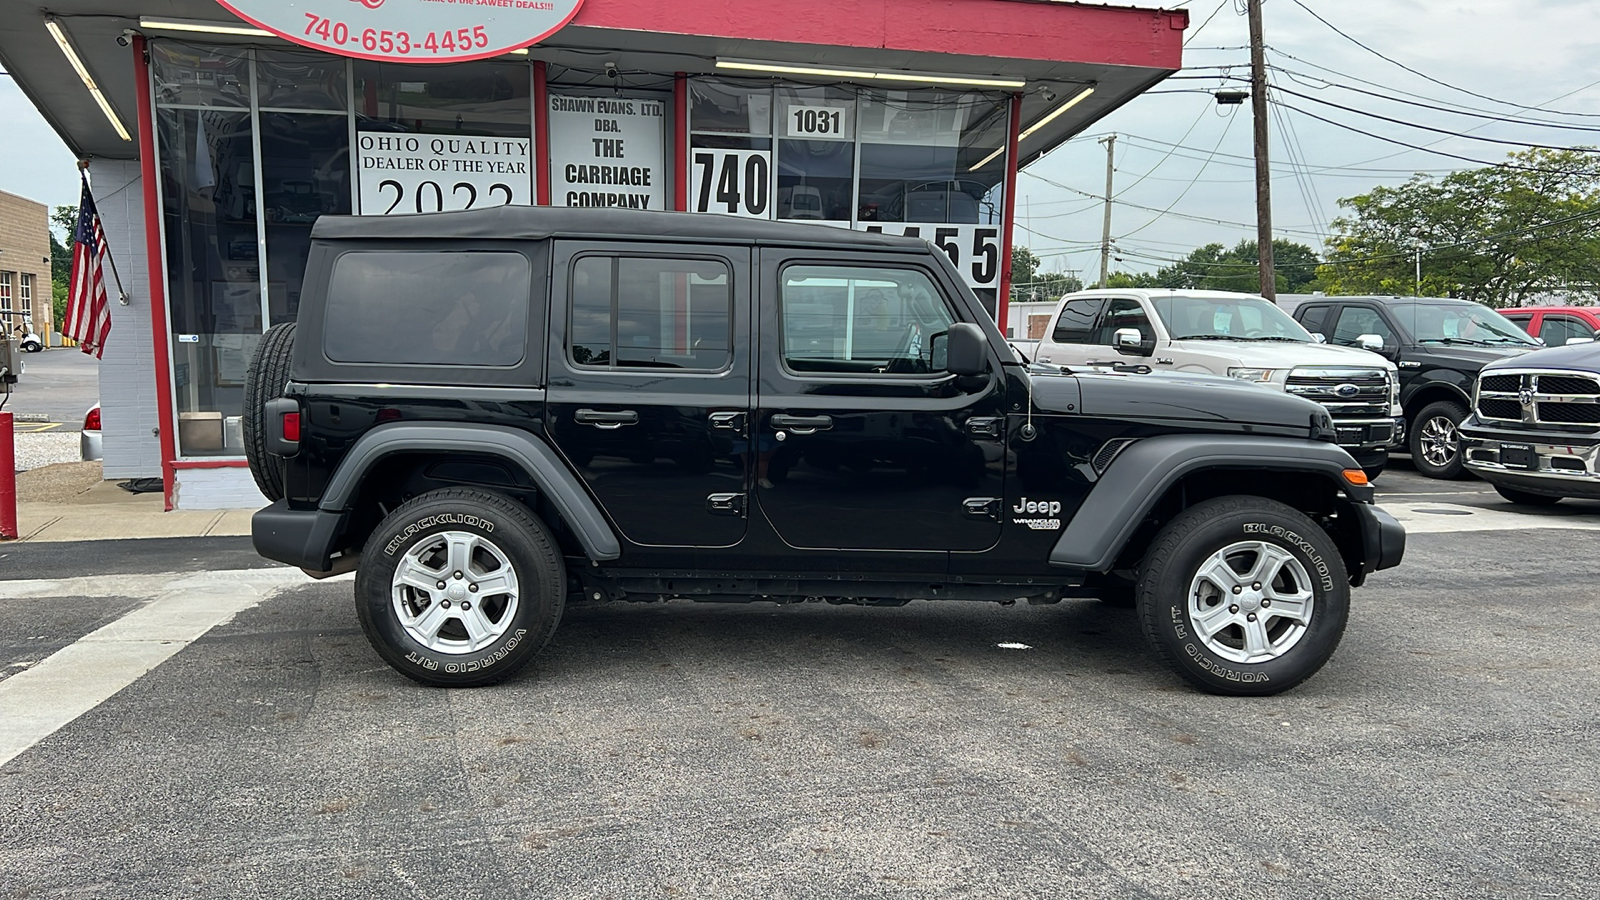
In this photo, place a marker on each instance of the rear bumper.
(299, 537)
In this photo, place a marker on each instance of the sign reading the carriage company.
(413, 31)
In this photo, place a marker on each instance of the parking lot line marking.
(75, 679)
(1437, 517)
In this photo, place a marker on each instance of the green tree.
(65, 218)
(1217, 268)
(1028, 283)
(1494, 234)
(1132, 280)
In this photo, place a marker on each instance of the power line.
(1187, 187)
(1443, 131)
(1437, 107)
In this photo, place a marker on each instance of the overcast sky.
(1530, 52)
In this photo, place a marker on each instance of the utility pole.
(1258, 108)
(1110, 141)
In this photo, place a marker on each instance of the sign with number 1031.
(415, 31)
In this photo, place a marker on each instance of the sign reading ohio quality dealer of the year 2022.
(413, 173)
(415, 31)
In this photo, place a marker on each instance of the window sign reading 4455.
(417, 31)
(975, 249)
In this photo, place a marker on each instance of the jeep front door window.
(863, 438)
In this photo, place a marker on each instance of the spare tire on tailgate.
(265, 380)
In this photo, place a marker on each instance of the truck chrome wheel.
(455, 592)
(1251, 602)
(1439, 440)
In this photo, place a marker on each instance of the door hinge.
(981, 508)
(725, 504)
(985, 426)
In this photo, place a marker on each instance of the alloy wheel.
(1250, 602)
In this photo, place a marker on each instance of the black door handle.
(802, 424)
(604, 419)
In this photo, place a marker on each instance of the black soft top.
(538, 222)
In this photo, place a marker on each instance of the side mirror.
(1587, 340)
(1130, 341)
(1319, 337)
(1371, 342)
(966, 350)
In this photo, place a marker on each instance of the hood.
(1225, 403)
(1578, 357)
(1281, 355)
(1474, 357)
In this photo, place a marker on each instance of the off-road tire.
(1419, 433)
(263, 381)
(1171, 569)
(513, 531)
(1525, 498)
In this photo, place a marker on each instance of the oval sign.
(409, 31)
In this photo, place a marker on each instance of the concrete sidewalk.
(70, 502)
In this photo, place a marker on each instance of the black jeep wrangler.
(492, 414)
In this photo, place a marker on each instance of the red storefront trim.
(541, 133)
(165, 417)
(1002, 300)
(680, 146)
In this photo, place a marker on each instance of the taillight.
(91, 422)
(291, 427)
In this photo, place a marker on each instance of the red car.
(1557, 326)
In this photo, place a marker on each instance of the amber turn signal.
(1355, 477)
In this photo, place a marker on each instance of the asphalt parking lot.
(238, 738)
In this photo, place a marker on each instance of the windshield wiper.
(1213, 337)
(1288, 340)
(1453, 340)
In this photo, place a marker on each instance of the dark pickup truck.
(492, 414)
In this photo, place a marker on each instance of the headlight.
(1394, 388)
(1252, 374)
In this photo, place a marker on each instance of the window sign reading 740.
(974, 249)
(733, 182)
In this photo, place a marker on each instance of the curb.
(30, 418)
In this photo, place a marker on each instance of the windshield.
(1463, 324)
(1227, 319)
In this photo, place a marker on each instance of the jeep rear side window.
(433, 308)
(1077, 320)
(858, 320)
(650, 313)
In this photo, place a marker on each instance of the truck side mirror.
(1371, 342)
(1131, 342)
(1319, 337)
(965, 352)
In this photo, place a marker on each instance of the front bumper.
(1383, 541)
(1370, 434)
(299, 537)
(1540, 462)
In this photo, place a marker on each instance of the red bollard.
(8, 479)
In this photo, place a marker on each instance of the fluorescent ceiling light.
(867, 74)
(204, 27)
(1037, 125)
(1081, 96)
(54, 27)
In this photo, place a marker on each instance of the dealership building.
(217, 132)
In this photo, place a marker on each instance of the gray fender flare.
(1145, 470)
(529, 453)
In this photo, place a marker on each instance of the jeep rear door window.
(1077, 320)
(859, 319)
(650, 313)
(431, 308)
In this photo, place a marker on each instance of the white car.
(1243, 336)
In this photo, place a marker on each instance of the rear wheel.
(1436, 439)
(1243, 595)
(460, 588)
(1523, 498)
(265, 380)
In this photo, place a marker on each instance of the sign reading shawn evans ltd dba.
(608, 151)
(413, 173)
(415, 31)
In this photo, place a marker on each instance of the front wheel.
(1243, 595)
(1436, 439)
(32, 346)
(460, 588)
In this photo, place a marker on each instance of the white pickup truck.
(1243, 336)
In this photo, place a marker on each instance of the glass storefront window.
(305, 167)
(189, 75)
(300, 81)
(725, 108)
(923, 156)
(208, 187)
(477, 98)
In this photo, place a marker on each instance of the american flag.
(88, 319)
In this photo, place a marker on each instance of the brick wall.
(128, 408)
(25, 249)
